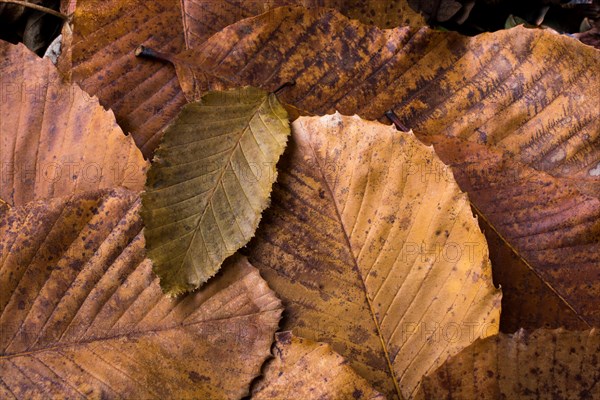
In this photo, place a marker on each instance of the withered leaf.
(210, 182)
(303, 369)
(98, 49)
(83, 316)
(203, 18)
(517, 92)
(546, 364)
(552, 222)
(51, 134)
(100, 58)
(375, 250)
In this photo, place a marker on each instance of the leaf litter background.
(510, 113)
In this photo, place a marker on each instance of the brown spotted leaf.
(549, 221)
(303, 369)
(100, 58)
(375, 250)
(545, 364)
(515, 92)
(83, 316)
(55, 139)
(203, 18)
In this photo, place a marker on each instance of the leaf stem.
(283, 86)
(150, 53)
(38, 8)
(396, 120)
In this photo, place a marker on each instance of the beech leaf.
(82, 315)
(98, 54)
(545, 364)
(50, 133)
(374, 249)
(516, 92)
(210, 182)
(303, 369)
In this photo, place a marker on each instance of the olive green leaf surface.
(209, 183)
(83, 316)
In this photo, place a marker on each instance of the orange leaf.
(55, 138)
(82, 314)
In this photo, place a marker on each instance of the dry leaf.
(549, 221)
(546, 364)
(303, 369)
(210, 182)
(527, 301)
(98, 50)
(83, 316)
(51, 133)
(144, 96)
(203, 18)
(374, 249)
(517, 92)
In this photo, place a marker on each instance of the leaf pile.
(282, 240)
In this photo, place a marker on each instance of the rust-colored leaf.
(515, 92)
(552, 224)
(375, 250)
(144, 96)
(203, 18)
(545, 364)
(83, 316)
(55, 138)
(303, 369)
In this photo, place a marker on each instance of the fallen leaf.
(374, 249)
(517, 92)
(210, 182)
(51, 133)
(549, 221)
(527, 300)
(303, 369)
(83, 316)
(203, 18)
(144, 96)
(545, 364)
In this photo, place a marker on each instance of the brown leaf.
(546, 364)
(56, 139)
(552, 225)
(203, 18)
(303, 369)
(516, 92)
(83, 316)
(144, 96)
(542, 308)
(375, 250)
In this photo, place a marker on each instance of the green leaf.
(210, 182)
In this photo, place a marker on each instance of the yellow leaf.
(375, 250)
(209, 183)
